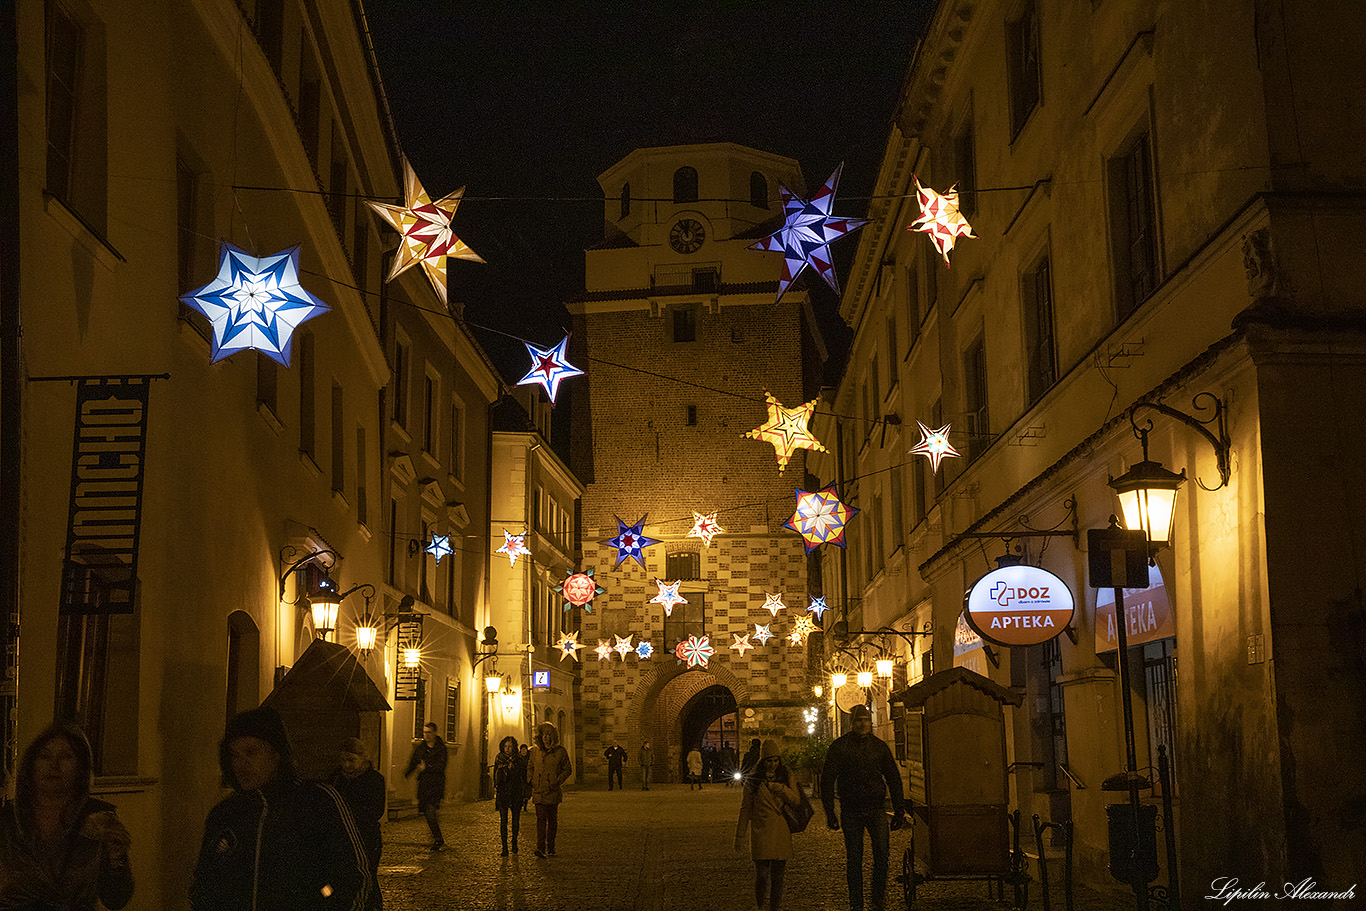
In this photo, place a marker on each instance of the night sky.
(525, 104)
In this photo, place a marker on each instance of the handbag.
(798, 816)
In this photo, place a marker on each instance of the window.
(308, 443)
(1040, 346)
(975, 384)
(392, 568)
(420, 708)
(685, 185)
(538, 613)
(75, 115)
(457, 441)
(267, 382)
(758, 190)
(338, 441)
(187, 241)
(270, 30)
(879, 534)
(401, 358)
(422, 591)
(244, 663)
(625, 200)
(686, 619)
(898, 522)
(683, 323)
(918, 505)
(867, 412)
(429, 415)
(706, 281)
(931, 274)
(891, 352)
(1134, 226)
(690, 415)
(97, 685)
(336, 186)
(937, 420)
(683, 565)
(310, 101)
(965, 169)
(874, 390)
(452, 710)
(1023, 71)
(362, 515)
(912, 306)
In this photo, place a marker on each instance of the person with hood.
(647, 764)
(550, 768)
(363, 789)
(509, 782)
(60, 847)
(429, 762)
(277, 843)
(762, 799)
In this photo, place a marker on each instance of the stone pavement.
(658, 850)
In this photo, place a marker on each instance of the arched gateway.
(672, 702)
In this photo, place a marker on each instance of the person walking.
(429, 761)
(647, 764)
(763, 796)
(526, 764)
(728, 761)
(863, 770)
(509, 784)
(60, 847)
(750, 761)
(616, 758)
(550, 768)
(363, 789)
(695, 768)
(277, 843)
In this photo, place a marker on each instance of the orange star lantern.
(786, 429)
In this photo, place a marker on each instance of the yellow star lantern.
(940, 218)
(801, 629)
(934, 445)
(424, 227)
(786, 429)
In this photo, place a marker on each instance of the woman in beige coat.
(550, 768)
(766, 791)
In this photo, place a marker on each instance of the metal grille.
(1159, 677)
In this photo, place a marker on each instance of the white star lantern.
(762, 633)
(940, 218)
(668, 596)
(440, 546)
(774, 603)
(934, 445)
(705, 527)
(549, 368)
(741, 643)
(255, 302)
(514, 546)
(623, 646)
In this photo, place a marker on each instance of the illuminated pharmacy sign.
(1019, 605)
(1147, 611)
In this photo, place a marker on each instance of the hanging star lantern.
(440, 546)
(940, 218)
(623, 646)
(807, 232)
(774, 603)
(934, 445)
(795, 638)
(549, 368)
(569, 644)
(820, 517)
(255, 302)
(514, 546)
(579, 590)
(668, 596)
(644, 649)
(762, 633)
(426, 238)
(630, 541)
(705, 527)
(801, 629)
(695, 651)
(786, 429)
(741, 643)
(604, 650)
(817, 607)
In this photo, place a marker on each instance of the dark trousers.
(547, 823)
(431, 811)
(503, 815)
(610, 773)
(854, 823)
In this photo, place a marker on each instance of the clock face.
(687, 235)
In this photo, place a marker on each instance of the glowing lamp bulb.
(412, 657)
(838, 680)
(884, 667)
(365, 637)
(737, 776)
(493, 683)
(818, 690)
(865, 678)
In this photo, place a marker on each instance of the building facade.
(680, 338)
(1160, 219)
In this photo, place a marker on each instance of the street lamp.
(323, 604)
(838, 679)
(884, 667)
(865, 679)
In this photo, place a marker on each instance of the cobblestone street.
(668, 848)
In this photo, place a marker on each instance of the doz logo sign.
(1019, 605)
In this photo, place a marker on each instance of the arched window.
(625, 200)
(244, 663)
(758, 190)
(685, 184)
(550, 715)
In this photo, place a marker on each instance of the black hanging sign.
(407, 679)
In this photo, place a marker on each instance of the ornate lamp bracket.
(1219, 439)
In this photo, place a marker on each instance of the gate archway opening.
(709, 721)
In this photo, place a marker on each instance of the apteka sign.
(1019, 605)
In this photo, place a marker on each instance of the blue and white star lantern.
(668, 596)
(644, 649)
(255, 302)
(806, 234)
(630, 541)
(549, 368)
(440, 546)
(762, 633)
(818, 607)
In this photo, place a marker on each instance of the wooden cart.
(955, 749)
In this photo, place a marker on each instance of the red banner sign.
(1148, 612)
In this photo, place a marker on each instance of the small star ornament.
(786, 429)
(569, 645)
(630, 541)
(820, 517)
(644, 649)
(695, 651)
(762, 633)
(817, 607)
(255, 302)
(934, 445)
(705, 527)
(549, 368)
(514, 546)
(622, 646)
(940, 218)
(604, 650)
(440, 546)
(425, 235)
(774, 603)
(741, 644)
(807, 232)
(668, 596)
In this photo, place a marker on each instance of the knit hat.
(858, 710)
(263, 723)
(770, 750)
(353, 745)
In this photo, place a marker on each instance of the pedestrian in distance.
(729, 760)
(616, 758)
(550, 769)
(647, 764)
(763, 796)
(750, 761)
(526, 763)
(509, 785)
(363, 789)
(695, 768)
(60, 847)
(277, 843)
(429, 762)
(861, 767)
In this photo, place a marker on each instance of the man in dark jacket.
(363, 789)
(858, 764)
(429, 761)
(751, 758)
(277, 843)
(616, 757)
